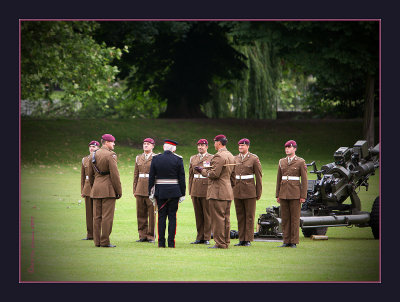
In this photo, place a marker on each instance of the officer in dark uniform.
(167, 187)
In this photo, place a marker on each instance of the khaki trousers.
(89, 216)
(145, 217)
(201, 207)
(103, 216)
(220, 222)
(290, 213)
(245, 213)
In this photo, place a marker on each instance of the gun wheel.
(374, 218)
(308, 232)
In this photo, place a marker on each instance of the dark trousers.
(167, 208)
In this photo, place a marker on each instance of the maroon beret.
(108, 137)
(291, 143)
(202, 141)
(244, 141)
(94, 143)
(149, 140)
(219, 137)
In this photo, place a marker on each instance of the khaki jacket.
(85, 185)
(105, 186)
(221, 178)
(142, 166)
(248, 188)
(198, 186)
(291, 189)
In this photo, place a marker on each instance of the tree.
(340, 54)
(176, 61)
(60, 54)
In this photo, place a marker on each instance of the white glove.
(182, 198)
(153, 200)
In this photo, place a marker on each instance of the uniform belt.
(166, 181)
(244, 176)
(144, 175)
(199, 176)
(290, 178)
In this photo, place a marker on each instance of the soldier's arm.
(304, 180)
(83, 176)
(152, 175)
(114, 175)
(191, 175)
(181, 178)
(217, 163)
(258, 173)
(278, 181)
(135, 176)
(91, 171)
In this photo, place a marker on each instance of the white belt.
(87, 176)
(290, 178)
(166, 181)
(143, 175)
(244, 176)
(199, 176)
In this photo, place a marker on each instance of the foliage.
(63, 55)
(176, 61)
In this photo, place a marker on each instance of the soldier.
(221, 178)
(198, 191)
(167, 187)
(106, 188)
(85, 190)
(246, 191)
(144, 207)
(290, 193)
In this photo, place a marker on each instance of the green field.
(52, 222)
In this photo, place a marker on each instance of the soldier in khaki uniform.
(246, 191)
(144, 207)
(85, 190)
(198, 191)
(106, 188)
(291, 193)
(221, 178)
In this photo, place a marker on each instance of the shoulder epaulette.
(177, 155)
(190, 160)
(83, 160)
(255, 155)
(136, 158)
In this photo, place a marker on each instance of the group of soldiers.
(214, 181)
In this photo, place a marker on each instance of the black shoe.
(197, 242)
(206, 242)
(108, 245)
(285, 245)
(87, 238)
(213, 247)
(247, 243)
(293, 245)
(97, 245)
(150, 241)
(142, 240)
(241, 243)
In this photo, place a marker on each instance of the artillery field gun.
(324, 205)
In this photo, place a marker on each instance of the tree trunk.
(368, 128)
(181, 108)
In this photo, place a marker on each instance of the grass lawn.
(52, 222)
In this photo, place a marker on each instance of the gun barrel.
(337, 220)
